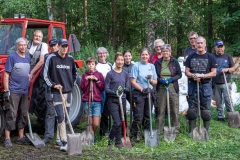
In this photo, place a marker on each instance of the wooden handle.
(66, 113)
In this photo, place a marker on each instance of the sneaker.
(109, 146)
(64, 146)
(47, 140)
(118, 145)
(23, 140)
(221, 119)
(7, 143)
(58, 142)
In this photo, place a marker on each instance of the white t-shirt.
(44, 49)
(104, 68)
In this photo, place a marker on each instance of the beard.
(36, 42)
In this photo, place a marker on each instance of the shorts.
(16, 112)
(95, 108)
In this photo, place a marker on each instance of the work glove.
(146, 90)
(120, 90)
(6, 96)
(169, 80)
(162, 81)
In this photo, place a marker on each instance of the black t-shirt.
(223, 61)
(188, 51)
(201, 64)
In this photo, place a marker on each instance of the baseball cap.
(62, 42)
(219, 43)
(53, 42)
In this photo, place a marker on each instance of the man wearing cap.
(200, 68)
(36, 49)
(225, 65)
(15, 93)
(60, 74)
(50, 113)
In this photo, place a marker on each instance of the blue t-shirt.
(18, 68)
(140, 71)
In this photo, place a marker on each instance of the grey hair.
(166, 46)
(192, 33)
(158, 40)
(38, 31)
(102, 49)
(201, 37)
(21, 39)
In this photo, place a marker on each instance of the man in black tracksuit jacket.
(60, 73)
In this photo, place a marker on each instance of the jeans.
(221, 97)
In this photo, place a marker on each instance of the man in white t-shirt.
(36, 49)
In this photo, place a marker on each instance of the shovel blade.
(74, 144)
(36, 140)
(233, 119)
(151, 139)
(169, 133)
(87, 138)
(200, 134)
(126, 143)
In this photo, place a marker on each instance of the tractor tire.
(38, 103)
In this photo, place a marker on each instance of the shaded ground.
(224, 143)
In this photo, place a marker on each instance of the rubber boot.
(206, 125)
(192, 125)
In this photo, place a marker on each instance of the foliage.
(175, 19)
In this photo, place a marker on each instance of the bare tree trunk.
(50, 10)
(210, 25)
(121, 23)
(114, 17)
(63, 13)
(151, 26)
(85, 13)
(179, 28)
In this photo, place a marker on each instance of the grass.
(224, 143)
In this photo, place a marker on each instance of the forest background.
(135, 24)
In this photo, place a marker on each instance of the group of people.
(59, 73)
(109, 82)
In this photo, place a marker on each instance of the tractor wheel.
(38, 103)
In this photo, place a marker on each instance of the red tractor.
(13, 28)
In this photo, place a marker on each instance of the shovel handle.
(168, 107)
(89, 101)
(199, 114)
(66, 113)
(150, 108)
(30, 127)
(225, 80)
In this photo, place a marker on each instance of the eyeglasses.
(192, 38)
(158, 46)
(102, 53)
(22, 45)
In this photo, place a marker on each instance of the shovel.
(199, 133)
(151, 136)
(233, 116)
(130, 125)
(33, 137)
(125, 140)
(169, 132)
(74, 140)
(88, 136)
